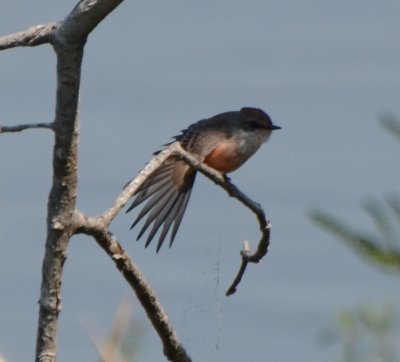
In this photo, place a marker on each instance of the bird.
(224, 142)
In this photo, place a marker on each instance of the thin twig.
(23, 127)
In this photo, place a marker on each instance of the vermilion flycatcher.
(224, 142)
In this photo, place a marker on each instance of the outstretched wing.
(168, 189)
(167, 192)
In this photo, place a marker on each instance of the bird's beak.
(276, 127)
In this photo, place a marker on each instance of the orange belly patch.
(224, 159)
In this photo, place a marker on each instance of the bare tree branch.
(85, 16)
(68, 41)
(23, 127)
(33, 36)
(98, 228)
(68, 38)
(62, 200)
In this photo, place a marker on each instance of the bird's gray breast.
(250, 142)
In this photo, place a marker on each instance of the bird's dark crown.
(256, 118)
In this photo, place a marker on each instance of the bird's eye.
(255, 124)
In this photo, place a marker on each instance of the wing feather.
(167, 192)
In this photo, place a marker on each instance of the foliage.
(367, 334)
(382, 249)
(121, 342)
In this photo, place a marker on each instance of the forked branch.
(68, 39)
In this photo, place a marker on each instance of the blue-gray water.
(323, 70)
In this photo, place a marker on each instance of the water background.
(323, 70)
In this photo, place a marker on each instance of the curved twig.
(233, 191)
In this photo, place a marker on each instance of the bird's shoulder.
(217, 124)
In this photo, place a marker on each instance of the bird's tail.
(167, 192)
